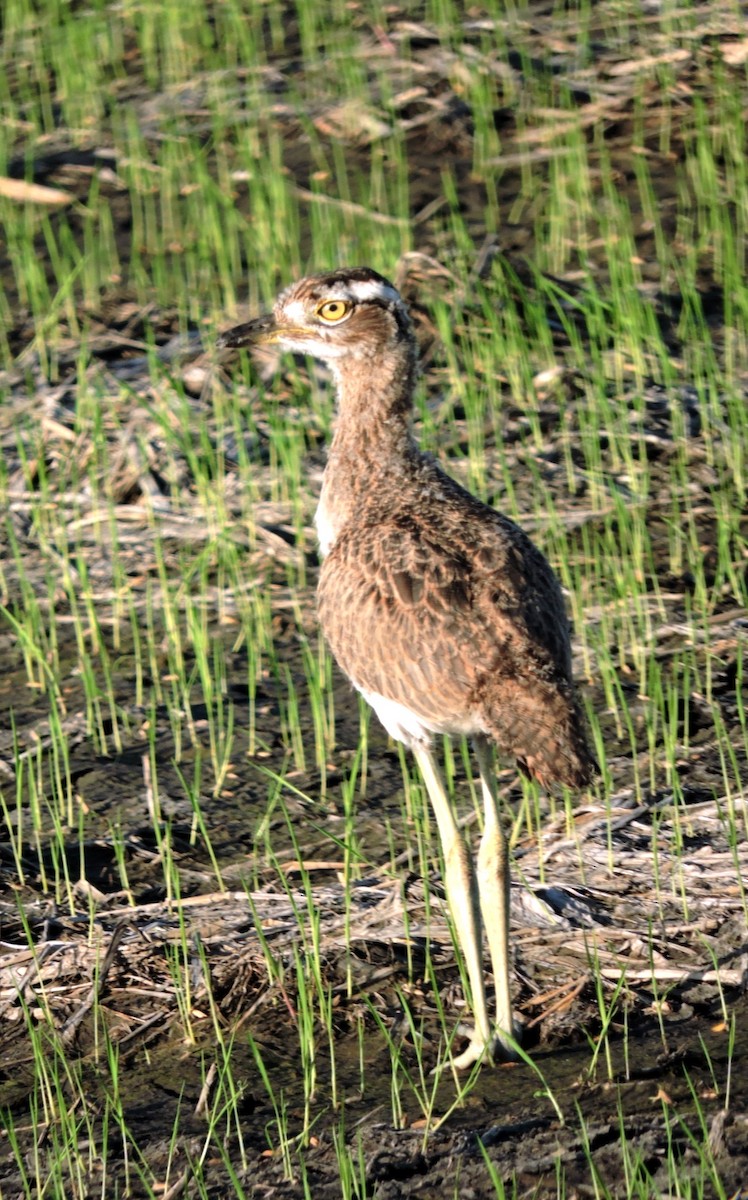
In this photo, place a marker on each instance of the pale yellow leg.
(462, 896)
(494, 892)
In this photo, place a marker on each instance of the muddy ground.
(672, 919)
(673, 1061)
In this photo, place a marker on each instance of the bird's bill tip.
(257, 332)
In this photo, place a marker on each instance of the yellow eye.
(334, 310)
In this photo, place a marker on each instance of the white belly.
(405, 726)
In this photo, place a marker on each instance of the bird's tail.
(547, 734)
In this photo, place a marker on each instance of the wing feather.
(412, 617)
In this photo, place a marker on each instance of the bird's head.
(350, 313)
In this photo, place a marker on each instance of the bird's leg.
(462, 896)
(494, 889)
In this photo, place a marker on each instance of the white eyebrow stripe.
(372, 289)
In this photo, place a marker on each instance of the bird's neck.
(375, 405)
(372, 438)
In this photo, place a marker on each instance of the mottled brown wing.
(461, 630)
(390, 612)
(418, 621)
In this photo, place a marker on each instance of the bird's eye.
(333, 311)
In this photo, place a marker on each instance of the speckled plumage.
(436, 601)
(440, 610)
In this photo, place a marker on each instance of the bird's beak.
(259, 332)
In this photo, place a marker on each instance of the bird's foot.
(497, 1048)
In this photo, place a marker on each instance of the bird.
(439, 609)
